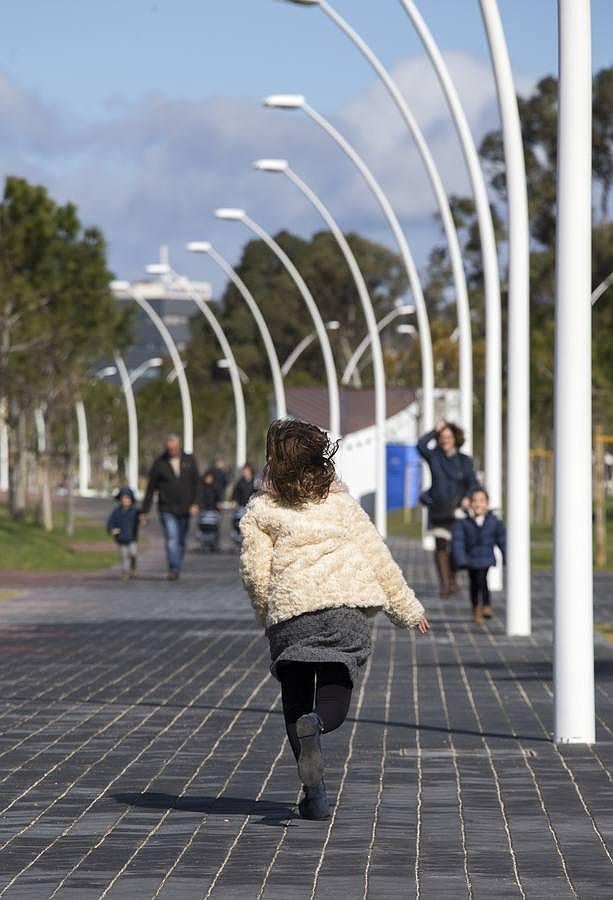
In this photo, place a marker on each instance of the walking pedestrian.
(472, 548)
(453, 480)
(122, 524)
(208, 520)
(244, 489)
(316, 570)
(174, 477)
(220, 473)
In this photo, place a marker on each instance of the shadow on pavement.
(272, 813)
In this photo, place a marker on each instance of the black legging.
(479, 590)
(321, 687)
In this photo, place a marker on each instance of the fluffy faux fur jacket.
(323, 555)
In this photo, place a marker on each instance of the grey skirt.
(341, 634)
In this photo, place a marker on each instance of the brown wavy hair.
(457, 432)
(299, 462)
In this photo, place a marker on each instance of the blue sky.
(147, 114)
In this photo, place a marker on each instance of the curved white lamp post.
(239, 215)
(403, 309)
(302, 345)
(173, 278)
(602, 287)
(451, 235)
(297, 101)
(493, 343)
(241, 287)
(154, 363)
(224, 364)
(124, 287)
(128, 392)
(573, 669)
(518, 356)
(4, 448)
(83, 449)
(281, 166)
(127, 380)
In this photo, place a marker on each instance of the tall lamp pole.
(281, 166)
(239, 215)
(493, 339)
(241, 287)
(173, 278)
(297, 101)
(83, 447)
(124, 287)
(518, 356)
(573, 670)
(128, 392)
(451, 235)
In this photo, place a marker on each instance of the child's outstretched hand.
(423, 625)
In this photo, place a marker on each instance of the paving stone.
(142, 752)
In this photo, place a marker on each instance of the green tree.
(57, 315)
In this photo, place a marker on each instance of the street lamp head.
(333, 325)
(223, 364)
(405, 309)
(285, 101)
(230, 214)
(198, 246)
(271, 165)
(118, 285)
(157, 269)
(156, 362)
(406, 329)
(106, 372)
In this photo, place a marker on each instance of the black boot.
(314, 804)
(310, 761)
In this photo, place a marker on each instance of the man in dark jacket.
(174, 476)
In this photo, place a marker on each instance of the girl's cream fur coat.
(323, 555)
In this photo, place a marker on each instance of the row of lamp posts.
(573, 669)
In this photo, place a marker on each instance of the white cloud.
(151, 172)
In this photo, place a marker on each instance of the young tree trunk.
(69, 470)
(46, 505)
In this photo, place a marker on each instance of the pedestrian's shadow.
(278, 814)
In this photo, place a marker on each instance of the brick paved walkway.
(142, 754)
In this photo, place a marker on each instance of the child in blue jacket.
(123, 525)
(472, 547)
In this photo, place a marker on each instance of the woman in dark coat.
(453, 481)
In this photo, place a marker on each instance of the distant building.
(174, 306)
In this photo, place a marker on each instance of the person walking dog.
(174, 477)
(316, 571)
(453, 480)
(472, 547)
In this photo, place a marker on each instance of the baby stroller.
(208, 525)
(237, 515)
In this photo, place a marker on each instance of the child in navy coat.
(472, 547)
(122, 524)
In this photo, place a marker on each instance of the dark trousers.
(479, 591)
(324, 688)
(175, 534)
